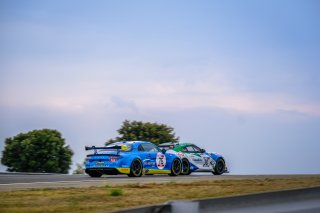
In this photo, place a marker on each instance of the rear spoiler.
(118, 148)
(167, 144)
(103, 147)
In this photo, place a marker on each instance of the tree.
(37, 151)
(80, 169)
(145, 131)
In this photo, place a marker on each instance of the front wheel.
(175, 167)
(135, 168)
(220, 167)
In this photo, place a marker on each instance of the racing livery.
(195, 159)
(133, 158)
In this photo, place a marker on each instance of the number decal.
(161, 160)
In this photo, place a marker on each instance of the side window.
(184, 149)
(150, 147)
(140, 148)
(190, 149)
(197, 149)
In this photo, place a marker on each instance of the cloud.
(70, 89)
(118, 103)
(218, 93)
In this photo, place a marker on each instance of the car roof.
(185, 144)
(134, 144)
(131, 142)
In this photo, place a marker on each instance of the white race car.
(195, 159)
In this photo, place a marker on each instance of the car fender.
(128, 159)
(215, 156)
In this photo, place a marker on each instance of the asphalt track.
(22, 181)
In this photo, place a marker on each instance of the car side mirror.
(203, 150)
(163, 151)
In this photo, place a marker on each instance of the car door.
(207, 162)
(194, 156)
(152, 159)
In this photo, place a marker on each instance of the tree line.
(45, 150)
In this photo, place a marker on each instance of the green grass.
(116, 192)
(110, 198)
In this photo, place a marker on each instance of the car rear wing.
(168, 145)
(118, 148)
(102, 147)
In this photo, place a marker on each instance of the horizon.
(238, 78)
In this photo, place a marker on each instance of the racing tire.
(136, 168)
(94, 174)
(220, 167)
(175, 167)
(185, 167)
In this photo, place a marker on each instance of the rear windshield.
(125, 147)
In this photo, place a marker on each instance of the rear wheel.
(185, 167)
(220, 167)
(94, 174)
(175, 167)
(135, 168)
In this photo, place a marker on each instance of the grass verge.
(110, 198)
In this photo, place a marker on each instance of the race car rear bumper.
(109, 171)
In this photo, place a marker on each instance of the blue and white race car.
(195, 159)
(133, 158)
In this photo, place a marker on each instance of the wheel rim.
(136, 167)
(220, 166)
(185, 167)
(176, 166)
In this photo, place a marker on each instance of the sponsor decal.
(161, 160)
(196, 158)
(100, 163)
(149, 163)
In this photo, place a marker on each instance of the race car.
(195, 159)
(133, 158)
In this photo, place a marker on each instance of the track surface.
(20, 181)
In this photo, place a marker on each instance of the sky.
(241, 78)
